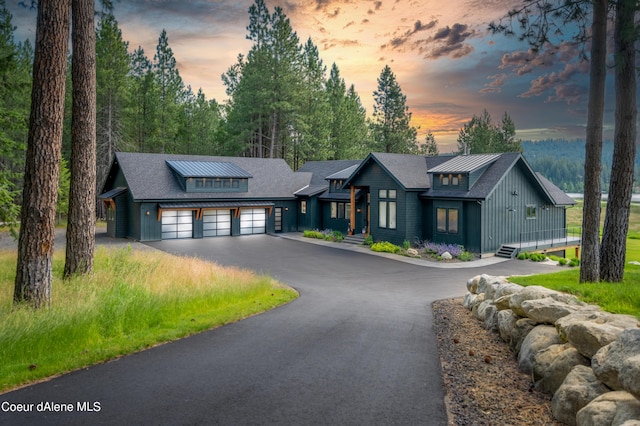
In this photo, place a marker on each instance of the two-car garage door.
(179, 223)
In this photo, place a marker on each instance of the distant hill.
(562, 162)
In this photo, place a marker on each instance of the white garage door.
(216, 223)
(253, 221)
(177, 224)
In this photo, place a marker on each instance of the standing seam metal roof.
(465, 163)
(212, 169)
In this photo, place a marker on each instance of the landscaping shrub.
(574, 262)
(437, 249)
(368, 240)
(537, 257)
(313, 234)
(523, 255)
(385, 247)
(562, 261)
(406, 245)
(466, 256)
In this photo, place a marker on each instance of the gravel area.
(483, 385)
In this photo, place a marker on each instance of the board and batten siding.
(504, 212)
(376, 179)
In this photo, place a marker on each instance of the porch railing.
(550, 238)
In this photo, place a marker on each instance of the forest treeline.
(562, 162)
(283, 102)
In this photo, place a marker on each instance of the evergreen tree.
(430, 146)
(170, 91)
(81, 222)
(142, 112)
(348, 133)
(391, 127)
(15, 83)
(480, 135)
(112, 68)
(42, 165)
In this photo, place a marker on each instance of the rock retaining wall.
(587, 358)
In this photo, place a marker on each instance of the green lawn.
(623, 298)
(132, 301)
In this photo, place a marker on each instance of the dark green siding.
(447, 237)
(504, 213)
(310, 219)
(413, 215)
(472, 226)
(376, 178)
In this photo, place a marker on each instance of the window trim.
(444, 223)
(531, 212)
(387, 209)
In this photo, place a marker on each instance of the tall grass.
(133, 300)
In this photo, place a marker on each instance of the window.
(455, 180)
(387, 208)
(340, 210)
(334, 210)
(337, 210)
(303, 207)
(199, 183)
(447, 220)
(531, 212)
(347, 210)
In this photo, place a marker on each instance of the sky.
(445, 60)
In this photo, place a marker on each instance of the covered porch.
(544, 241)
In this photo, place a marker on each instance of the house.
(484, 202)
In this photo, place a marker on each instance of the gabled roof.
(409, 171)
(493, 175)
(343, 174)
(323, 169)
(150, 178)
(465, 163)
(207, 169)
(559, 197)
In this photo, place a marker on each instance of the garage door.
(177, 224)
(253, 221)
(216, 223)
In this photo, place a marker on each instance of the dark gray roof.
(213, 204)
(560, 198)
(113, 193)
(409, 170)
(322, 169)
(485, 183)
(343, 174)
(149, 177)
(204, 169)
(465, 163)
(312, 190)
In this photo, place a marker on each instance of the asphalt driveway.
(357, 348)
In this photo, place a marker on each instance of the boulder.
(489, 285)
(528, 293)
(522, 328)
(481, 311)
(541, 337)
(578, 389)
(611, 408)
(618, 364)
(552, 365)
(502, 302)
(506, 323)
(476, 303)
(507, 289)
(472, 284)
(590, 331)
(549, 310)
(446, 256)
(413, 252)
(470, 300)
(491, 317)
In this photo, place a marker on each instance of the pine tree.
(142, 111)
(480, 136)
(42, 169)
(391, 127)
(170, 90)
(81, 220)
(112, 67)
(430, 146)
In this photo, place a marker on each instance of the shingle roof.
(149, 177)
(485, 183)
(560, 198)
(322, 169)
(204, 169)
(465, 163)
(343, 174)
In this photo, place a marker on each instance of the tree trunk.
(82, 195)
(42, 165)
(590, 262)
(616, 225)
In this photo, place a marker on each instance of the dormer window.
(210, 176)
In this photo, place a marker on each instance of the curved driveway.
(357, 348)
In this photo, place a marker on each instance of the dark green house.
(486, 203)
(162, 196)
